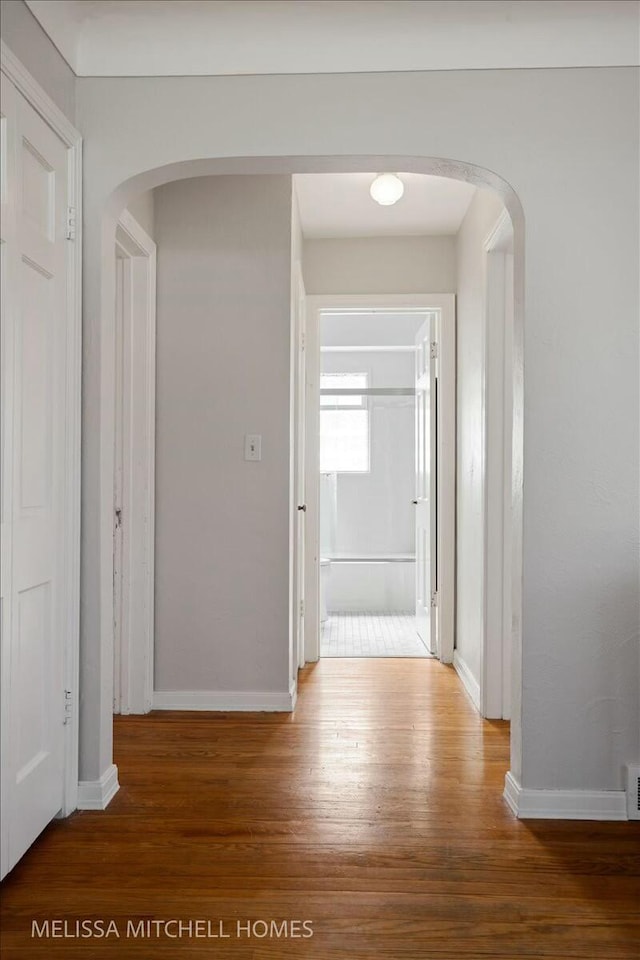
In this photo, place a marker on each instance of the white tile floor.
(371, 635)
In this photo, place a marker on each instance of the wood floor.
(374, 811)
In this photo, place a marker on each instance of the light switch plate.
(253, 446)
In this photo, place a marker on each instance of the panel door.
(33, 420)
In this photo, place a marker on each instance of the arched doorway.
(98, 530)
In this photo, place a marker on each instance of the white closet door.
(34, 342)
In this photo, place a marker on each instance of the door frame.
(299, 519)
(498, 602)
(15, 71)
(135, 377)
(445, 337)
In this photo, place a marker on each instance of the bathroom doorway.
(380, 519)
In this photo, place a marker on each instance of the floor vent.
(633, 791)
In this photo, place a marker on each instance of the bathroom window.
(344, 424)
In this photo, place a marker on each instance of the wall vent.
(633, 791)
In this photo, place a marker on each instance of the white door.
(34, 344)
(300, 466)
(424, 501)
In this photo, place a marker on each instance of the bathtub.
(381, 583)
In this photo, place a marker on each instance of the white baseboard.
(261, 701)
(469, 682)
(293, 693)
(512, 791)
(98, 794)
(564, 804)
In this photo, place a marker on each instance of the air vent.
(633, 791)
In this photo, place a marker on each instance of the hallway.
(375, 811)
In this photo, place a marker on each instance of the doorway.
(134, 468)
(380, 467)
(311, 568)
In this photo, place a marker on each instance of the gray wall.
(566, 164)
(380, 265)
(480, 218)
(222, 549)
(26, 38)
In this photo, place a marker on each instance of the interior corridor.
(374, 811)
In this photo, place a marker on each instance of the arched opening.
(288, 166)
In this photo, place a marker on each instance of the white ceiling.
(339, 205)
(213, 37)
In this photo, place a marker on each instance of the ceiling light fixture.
(386, 189)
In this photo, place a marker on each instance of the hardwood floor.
(374, 811)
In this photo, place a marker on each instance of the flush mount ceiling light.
(386, 189)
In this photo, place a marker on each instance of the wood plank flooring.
(374, 811)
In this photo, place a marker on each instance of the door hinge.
(118, 513)
(71, 223)
(68, 707)
(434, 598)
(301, 609)
(433, 353)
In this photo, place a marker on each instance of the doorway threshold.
(371, 634)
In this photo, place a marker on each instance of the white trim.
(298, 521)
(564, 804)
(73, 473)
(511, 792)
(98, 794)
(221, 700)
(31, 90)
(312, 486)
(15, 71)
(496, 641)
(370, 348)
(142, 244)
(500, 237)
(469, 682)
(446, 337)
(134, 686)
(355, 304)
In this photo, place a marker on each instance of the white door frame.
(495, 666)
(298, 309)
(445, 335)
(135, 463)
(19, 76)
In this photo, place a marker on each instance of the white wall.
(381, 329)
(142, 209)
(566, 165)
(482, 215)
(27, 40)
(374, 510)
(222, 524)
(380, 265)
